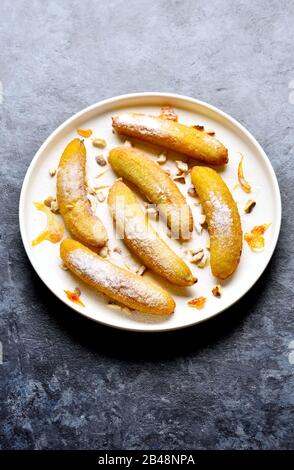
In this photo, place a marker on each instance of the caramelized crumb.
(260, 229)
(243, 183)
(75, 296)
(197, 302)
(54, 229)
(217, 291)
(255, 238)
(84, 133)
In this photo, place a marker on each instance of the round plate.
(258, 171)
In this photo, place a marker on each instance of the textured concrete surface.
(68, 383)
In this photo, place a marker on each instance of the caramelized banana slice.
(72, 198)
(223, 221)
(156, 185)
(143, 240)
(173, 136)
(118, 284)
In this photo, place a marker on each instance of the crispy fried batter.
(117, 283)
(143, 240)
(73, 203)
(172, 136)
(223, 221)
(156, 185)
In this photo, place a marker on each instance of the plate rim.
(107, 102)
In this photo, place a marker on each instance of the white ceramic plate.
(258, 171)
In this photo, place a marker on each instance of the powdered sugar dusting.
(140, 236)
(115, 279)
(72, 181)
(147, 125)
(221, 219)
(146, 243)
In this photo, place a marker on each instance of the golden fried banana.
(173, 136)
(72, 198)
(157, 186)
(117, 283)
(143, 240)
(223, 221)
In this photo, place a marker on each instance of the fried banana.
(72, 198)
(173, 136)
(117, 283)
(223, 220)
(143, 240)
(157, 186)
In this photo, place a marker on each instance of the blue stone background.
(70, 383)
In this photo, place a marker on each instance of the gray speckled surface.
(69, 383)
